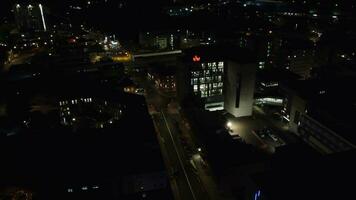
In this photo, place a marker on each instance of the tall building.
(239, 88)
(30, 17)
(222, 77)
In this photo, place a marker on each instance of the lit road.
(188, 183)
(185, 180)
(18, 60)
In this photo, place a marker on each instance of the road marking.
(179, 158)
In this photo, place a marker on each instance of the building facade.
(221, 81)
(239, 88)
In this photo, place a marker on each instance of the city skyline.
(177, 100)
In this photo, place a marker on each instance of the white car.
(274, 137)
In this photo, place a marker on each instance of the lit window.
(195, 88)
(202, 87)
(195, 81)
(202, 80)
(221, 64)
(69, 190)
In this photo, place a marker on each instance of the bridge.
(152, 57)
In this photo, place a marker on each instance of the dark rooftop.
(220, 53)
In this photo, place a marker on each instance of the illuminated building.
(203, 77)
(222, 77)
(30, 17)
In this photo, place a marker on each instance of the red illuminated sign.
(196, 58)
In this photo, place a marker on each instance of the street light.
(229, 124)
(199, 149)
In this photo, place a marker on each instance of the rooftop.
(51, 153)
(220, 53)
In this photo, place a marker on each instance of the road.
(186, 180)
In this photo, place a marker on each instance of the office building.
(222, 77)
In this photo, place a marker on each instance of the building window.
(195, 74)
(202, 87)
(204, 93)
(195, 88)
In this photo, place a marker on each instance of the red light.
(196, 58)
(72, 40)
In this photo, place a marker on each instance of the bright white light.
(199, 149)
(73, 119)
(229, 124)
(43, 19)
(18, 6)
(84, 188)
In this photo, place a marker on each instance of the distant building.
(30, 17)
(164, 78)
(300, 57)
(221, 77)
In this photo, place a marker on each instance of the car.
(274, 137)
